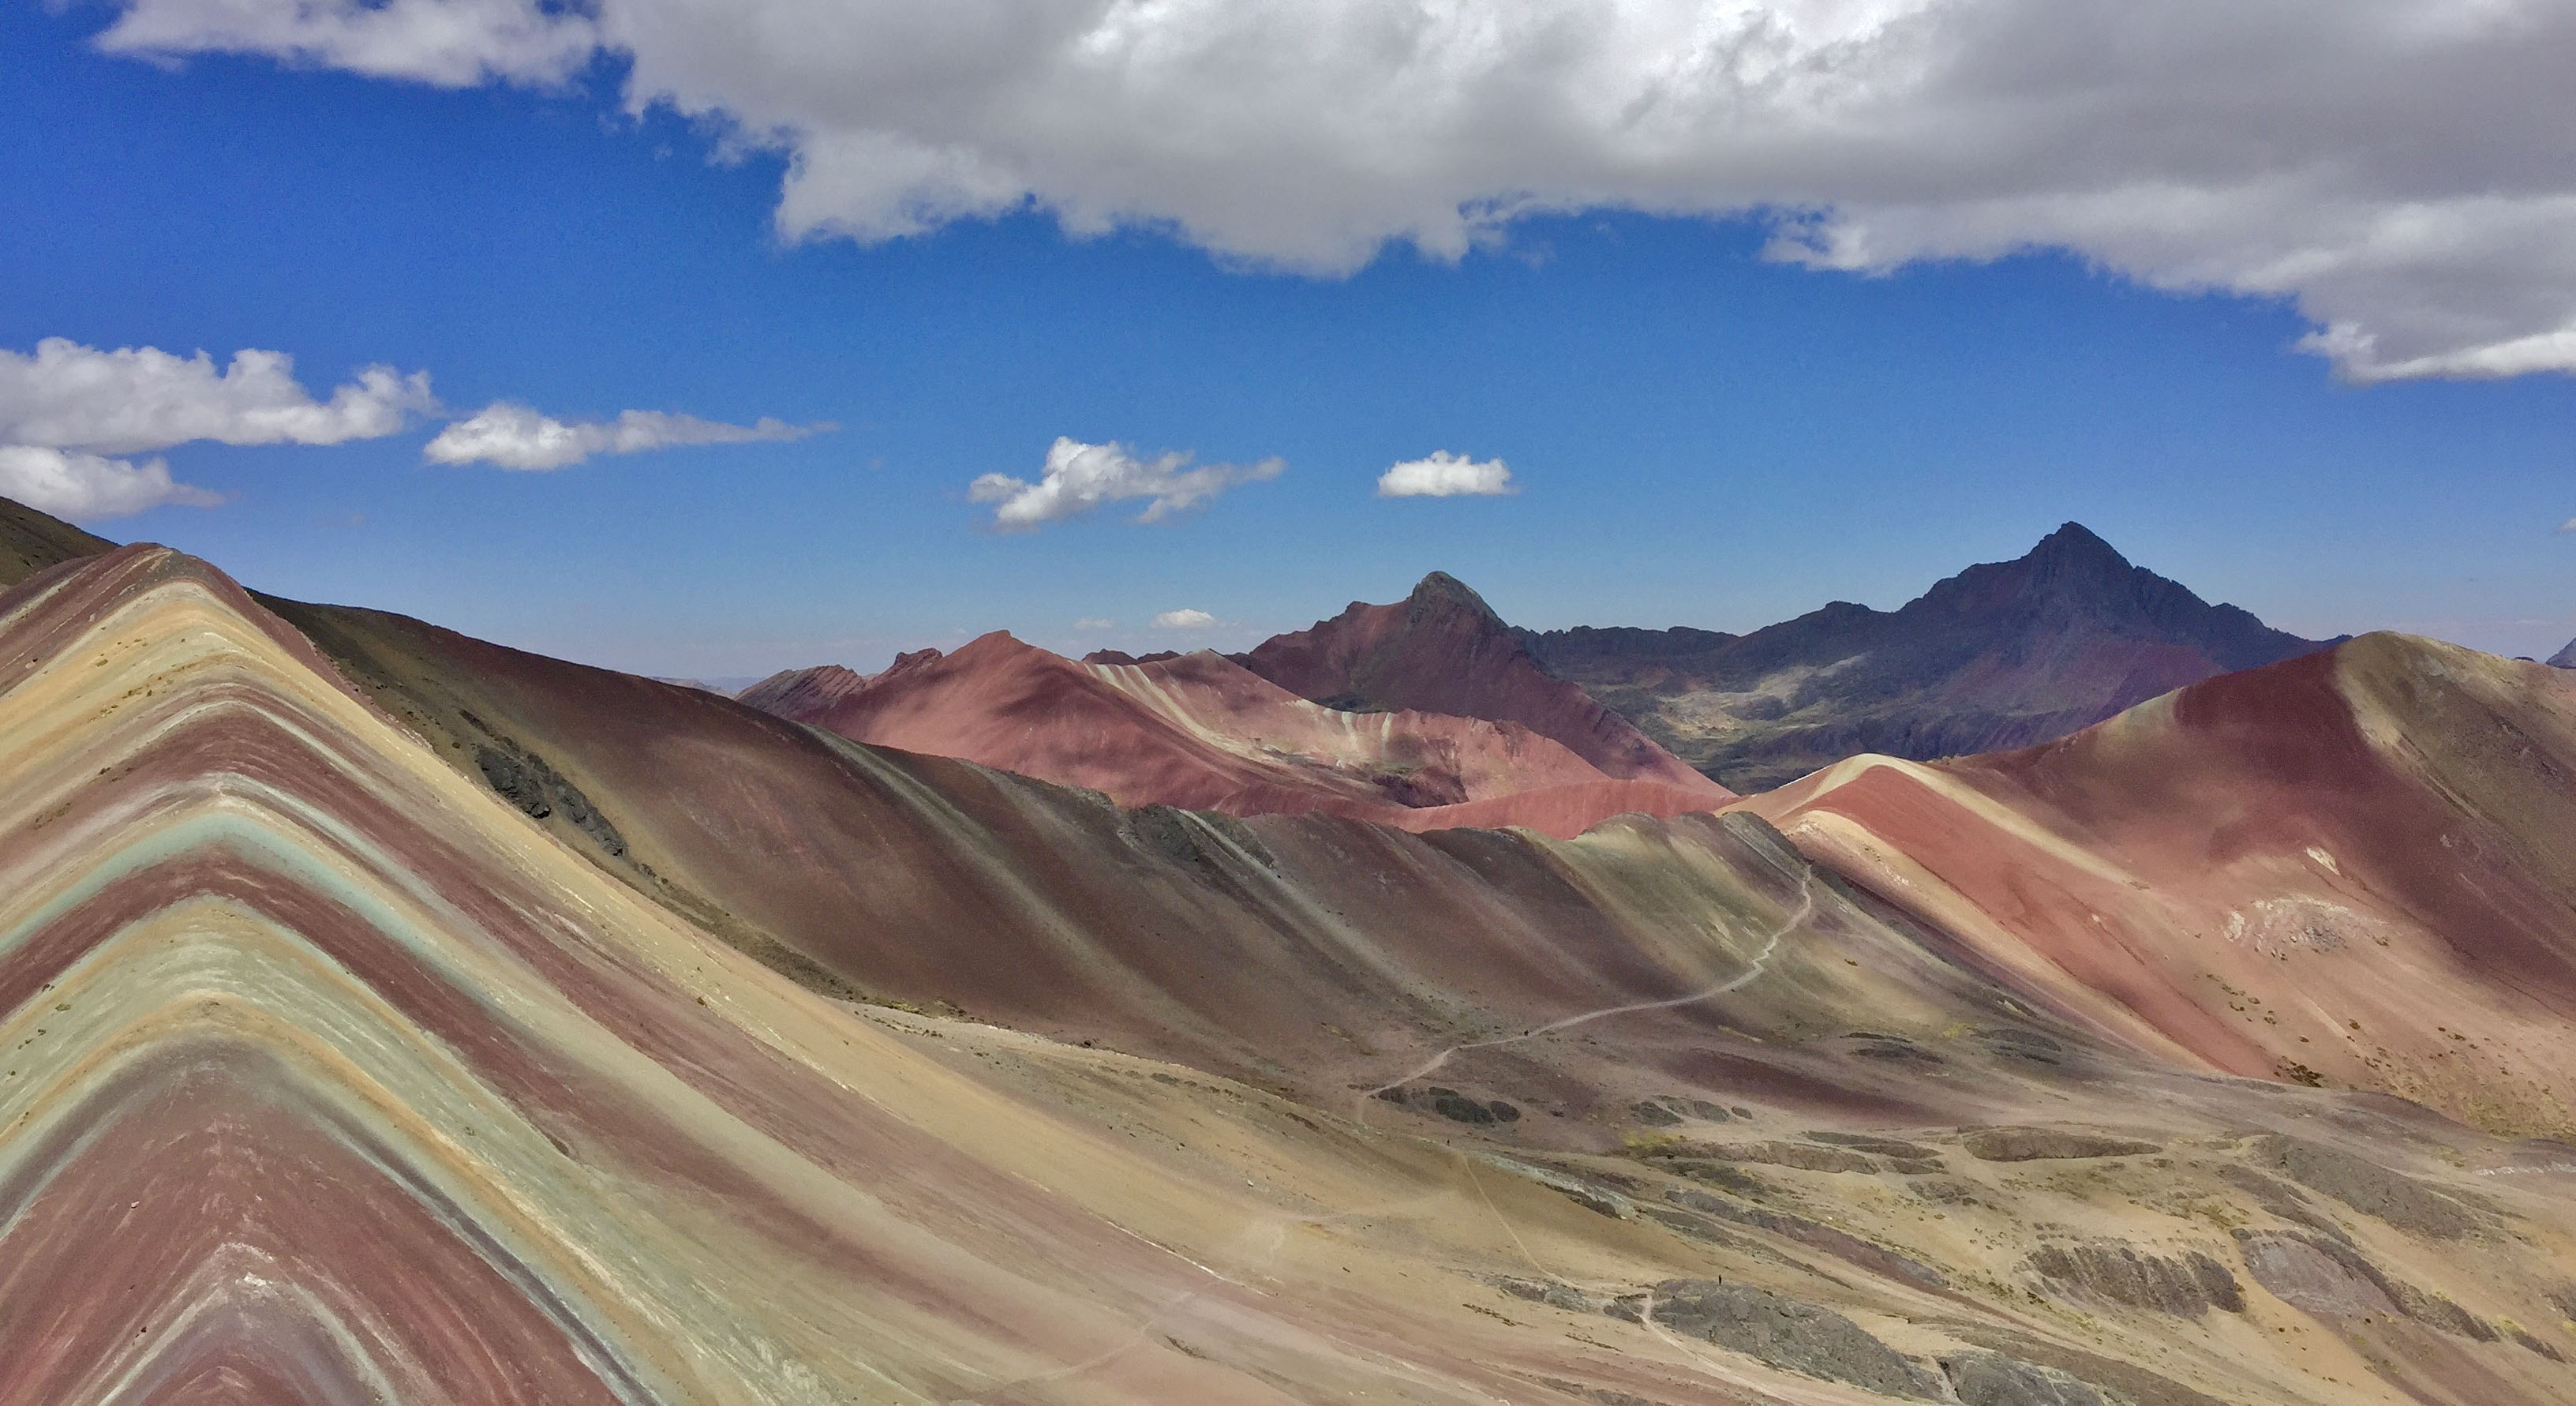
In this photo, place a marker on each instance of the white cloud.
(2568, 526)
(1094, 622)
(86, 487)
(516, 437)
(138, 398)
(1183, 620)
(1080, 477)
(451, 43)
(1445, 475)
(2394, 168)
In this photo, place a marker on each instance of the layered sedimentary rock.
(2355, 866)
(803, 694)
(1270, 947)
(345, 1063)
(332, 1077)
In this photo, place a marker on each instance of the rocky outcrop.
(2332, 1278)
(2186, 1286)
(1802, 1156)
(524, 780)
(2367, 1187)
(2048, 1144)
(1782, 1332)
(1992, 1379)
(1876, 1258)
(1453, 1105)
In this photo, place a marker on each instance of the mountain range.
(1204, 732)
(1999, 656)
(394, 1016)
(1466, 709)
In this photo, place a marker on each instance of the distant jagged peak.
(915, 658)
(1444, 650)
(810, 695)
(2075, 544)
(1442, 593)
(2565, 658)
(2071, 565)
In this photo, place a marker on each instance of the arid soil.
(394, 1017)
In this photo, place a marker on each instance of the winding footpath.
(1761, 962)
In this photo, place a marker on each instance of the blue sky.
(1699, 435)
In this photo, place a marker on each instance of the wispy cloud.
(1183, 619)
(2568, 526)
(1079, 477)
(514, 436)
(1445, 475)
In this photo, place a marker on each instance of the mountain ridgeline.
(2002, 655)
(30, 541)
(399, 1017)
(1443, 650)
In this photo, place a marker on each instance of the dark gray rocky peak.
(1441, 593)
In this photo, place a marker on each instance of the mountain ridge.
(399, 1016)
(1999, 655)
(31, 540)
(1201, 732)
(1442, 649)
(2347, 837)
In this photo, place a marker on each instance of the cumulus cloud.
(70, 396)
(2394, 168)
(87, 487)
(1183, 620)
(1080, 477)
(2567, 527)
(1445, 475)
(516, 437)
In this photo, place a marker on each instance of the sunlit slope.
(331, 1079)
(1309, 953)
(30, 541)
(1202, 732)
(2358, 866)
(332, 1076)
